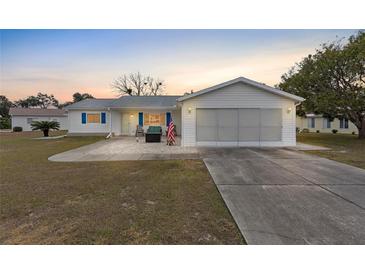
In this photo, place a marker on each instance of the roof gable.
(245, 81)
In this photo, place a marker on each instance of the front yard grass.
(345, 148)
(132, 202)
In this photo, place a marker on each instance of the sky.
(62, 62)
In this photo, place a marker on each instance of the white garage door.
(238, 125)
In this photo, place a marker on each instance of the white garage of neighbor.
(240, 112)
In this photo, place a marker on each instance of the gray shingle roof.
(145, 102)
(37, 112)
(127, 102)
(91, 104)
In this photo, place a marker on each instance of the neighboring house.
(316, 123)
(23, 117)
(240, 112)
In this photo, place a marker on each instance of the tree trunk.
(45, 132)
(362, 129)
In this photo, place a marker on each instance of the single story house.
(316, 122)
(239, 112)
(23, 117)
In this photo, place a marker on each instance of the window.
(344, 123)
(93, 118)
(154, 119)
(326, 123)
(311, 123)
(29, 120)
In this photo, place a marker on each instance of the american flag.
(170, 134)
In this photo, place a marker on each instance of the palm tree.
(45, 126)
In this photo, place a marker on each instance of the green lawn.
(345, 148)
(133, 202)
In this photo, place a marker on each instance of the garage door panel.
(270, 134)
(270, 117)
(206, 134)
(227, 125)
(249, 134)
(206, 117)
(249, 125)
(227, 134)
(249, 117)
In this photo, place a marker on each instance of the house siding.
(77, 127)
(302, 123)
(238, 95)
(126, 118)
(21, 121)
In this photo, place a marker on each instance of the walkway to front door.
(127, 148)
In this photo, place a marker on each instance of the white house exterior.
(240, 112)
(314, 123)
(23, 117)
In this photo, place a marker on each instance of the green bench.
(153, 134)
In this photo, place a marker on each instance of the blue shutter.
(341, 123)
(168, 118)
(103, 118)
(83, 118)
(140, 119)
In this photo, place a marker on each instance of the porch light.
(132, 116)
(189, 110)
(289, 109)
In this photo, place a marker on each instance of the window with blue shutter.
(168, 118)
(103, 118)
(140, 119)
(83, 118)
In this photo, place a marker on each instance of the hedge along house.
(240, 112)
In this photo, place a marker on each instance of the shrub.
(317, 131)
(305, 130)
(297, 129)
(5, 123)
(17, 129)
(353, 133)
(334, 131)
(45, 126)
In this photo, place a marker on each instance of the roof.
(91, 104)
(37, 112)
(145, 102)
(127, 102)
(245, 81)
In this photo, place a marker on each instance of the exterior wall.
(302, 123)
(21, 121)
(239, 96)
(122, 122)
(129, 120)
(77, 127)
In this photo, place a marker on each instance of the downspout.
(111, 124)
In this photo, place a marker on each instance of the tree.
(135, 84)
(332, 81)
(45, 126)
(77, 97)
(42, 100)
(45, 100)
(5, 105)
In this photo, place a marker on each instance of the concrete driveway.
(278, 196)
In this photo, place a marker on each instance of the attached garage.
(234, 127)
(240, 112)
